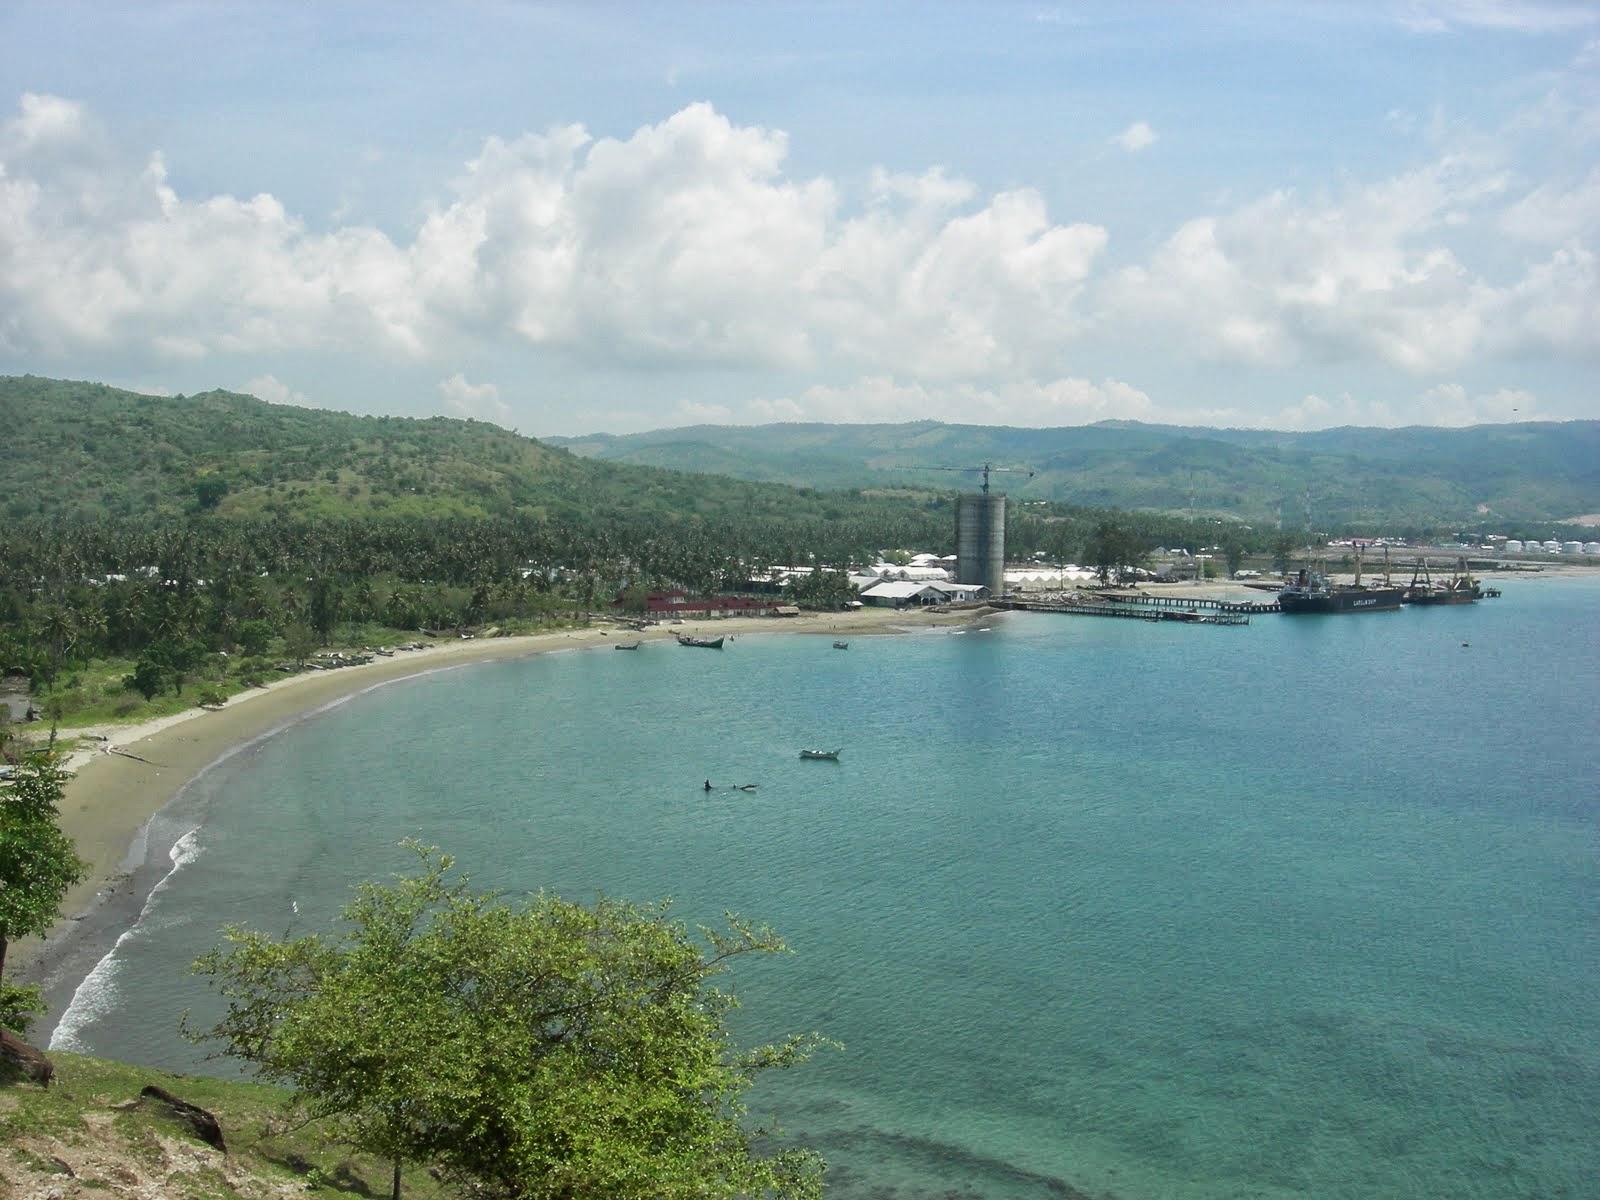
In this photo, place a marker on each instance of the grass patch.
(90, 1127)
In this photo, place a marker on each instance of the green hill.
(85, 449)
(1485, 476)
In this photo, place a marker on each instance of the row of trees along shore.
(101, 614)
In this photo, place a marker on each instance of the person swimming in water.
(708, 785)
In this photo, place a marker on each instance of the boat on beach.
(706, 643)
(830, 755)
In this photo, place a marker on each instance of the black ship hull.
(1341, 600)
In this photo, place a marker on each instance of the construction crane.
(986, 468)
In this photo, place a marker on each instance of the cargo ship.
(1311, 591)
(1460, 588)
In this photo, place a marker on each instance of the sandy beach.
(124, 774)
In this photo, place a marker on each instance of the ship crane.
(986, 468)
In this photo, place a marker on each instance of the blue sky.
(569, 218)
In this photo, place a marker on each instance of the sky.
(573, 218)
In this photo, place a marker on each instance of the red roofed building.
(680, 604)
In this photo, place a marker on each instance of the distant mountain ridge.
(89, 449)
(1535, 472)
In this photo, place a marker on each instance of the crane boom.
(986, 468)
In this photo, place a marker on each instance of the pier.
(1141, 606)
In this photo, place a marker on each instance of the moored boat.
(1460, 588)
(841, 645)
(1312, 592)
(707, 643)
(626, 646)
(831, 755)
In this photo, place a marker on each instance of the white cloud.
(1553, 214)
(99, 252)
(696, 412)
(684, 243)
(688, 245)
(274, 391)
(886, 399)
(479, 400)
(1135, 137)
(1371, 273)
(1516, 16)
(1553, 309)
(1450, 405)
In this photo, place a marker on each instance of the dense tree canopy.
(530, 1049)
(37, 861)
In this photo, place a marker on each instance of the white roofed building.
(902, 593)
(1034, 579)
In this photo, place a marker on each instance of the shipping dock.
(1141, 606)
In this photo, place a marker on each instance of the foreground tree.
(37, 864)
(535, 1049)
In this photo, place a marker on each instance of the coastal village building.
(906, 593)
(678, 603)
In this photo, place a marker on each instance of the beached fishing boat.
(707, 643)
(831, 755)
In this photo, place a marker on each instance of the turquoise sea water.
(1303, 909)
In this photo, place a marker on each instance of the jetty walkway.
(1142, 606)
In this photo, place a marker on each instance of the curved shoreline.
(114, 800)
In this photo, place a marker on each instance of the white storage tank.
(1513, 546)
(1551, 546)
(1572, 547)
(1591, 547)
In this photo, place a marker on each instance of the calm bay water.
(1307, 908)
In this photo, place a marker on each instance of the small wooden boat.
(841, 645)
(708, 643)
(831, 755)
(626, 646)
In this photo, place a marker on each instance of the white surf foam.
(97, 994)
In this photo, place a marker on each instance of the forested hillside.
(86, 449)
(1488, 476)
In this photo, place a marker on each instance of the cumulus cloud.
(97, 251)
(1553, 213)
(479, 400)
(1135, 137)
(684, 243)
(689, 244)
(274, 391)
(1451, 405)
(1371, 273)
(886, 399)
(1517, 16)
